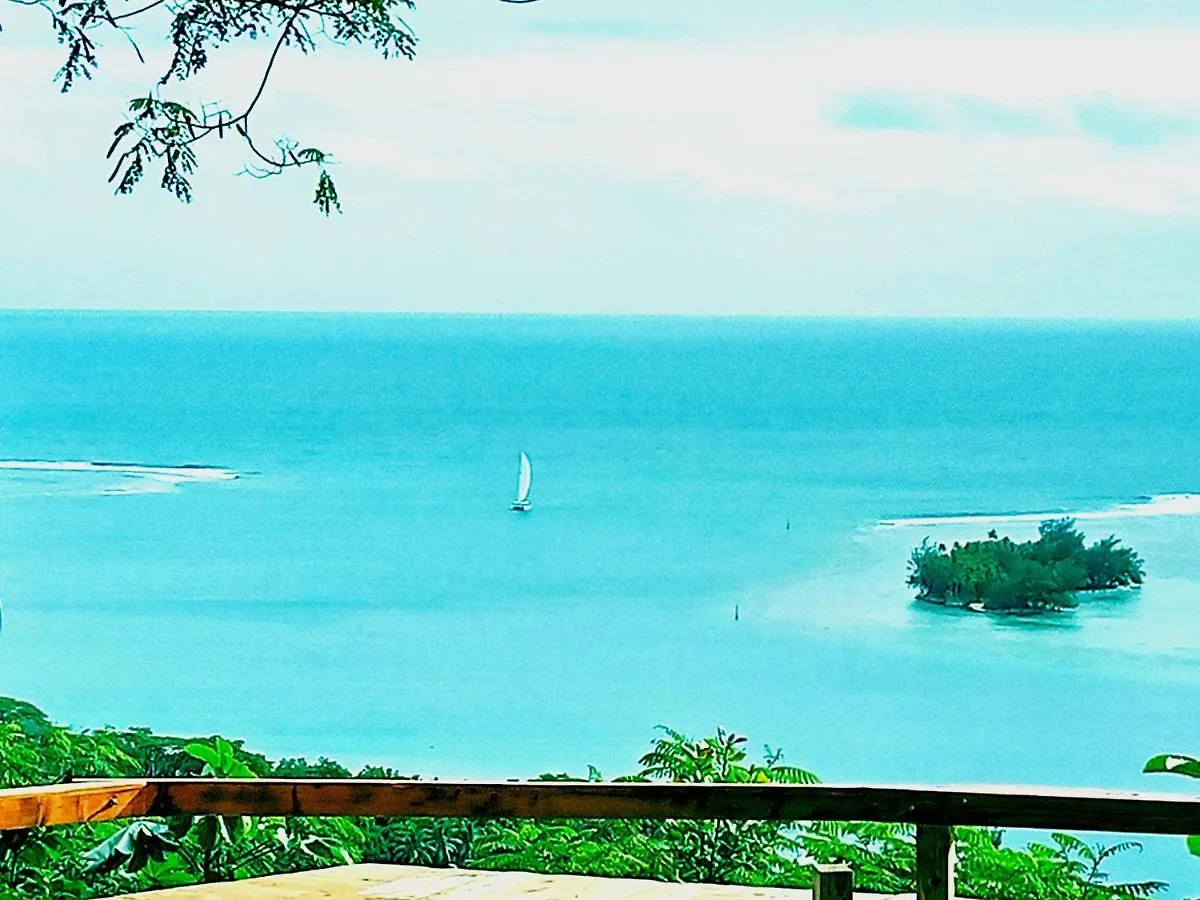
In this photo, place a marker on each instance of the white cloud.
(752, 118)
(607, 175)
(746, 118)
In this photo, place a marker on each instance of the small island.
(1000, 575)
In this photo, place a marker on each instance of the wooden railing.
(934, 810)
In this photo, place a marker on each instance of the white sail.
(525, 481)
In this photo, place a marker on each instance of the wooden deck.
(378, 882)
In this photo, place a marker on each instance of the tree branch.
(138, 12)
(262, 85)
(164, 132)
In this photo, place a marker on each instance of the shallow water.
(362, 591)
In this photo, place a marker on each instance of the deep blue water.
(363, 592)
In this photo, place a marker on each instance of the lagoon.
(362, 590)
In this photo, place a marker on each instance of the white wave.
(134, 478)
(136, 485)
(180, 473)
(1150, 507)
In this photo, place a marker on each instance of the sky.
(785, 157)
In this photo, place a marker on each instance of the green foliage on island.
(1001, 575)
(106, 858)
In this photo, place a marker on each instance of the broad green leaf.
(1175, 764)
(204, 753)
(134, 845)
(206, 832)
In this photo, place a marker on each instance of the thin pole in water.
(737, 611)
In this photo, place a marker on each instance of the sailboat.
(524, 482)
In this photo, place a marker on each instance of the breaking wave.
(132, 478)
(1144, 508)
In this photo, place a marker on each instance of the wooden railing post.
(833, 882)
(935, 863)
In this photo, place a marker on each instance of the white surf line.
(171, 474)
(1159, 505)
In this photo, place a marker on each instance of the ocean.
(362, 591)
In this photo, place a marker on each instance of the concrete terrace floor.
(382, 882)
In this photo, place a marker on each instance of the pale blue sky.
(786, 157)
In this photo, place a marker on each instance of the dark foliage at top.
(163, 133)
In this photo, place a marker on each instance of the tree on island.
(163, 132)
(1001, 575)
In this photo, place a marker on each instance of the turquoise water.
(362, 590)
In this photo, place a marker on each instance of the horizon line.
(526, 314)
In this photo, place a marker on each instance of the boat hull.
(521, 506)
